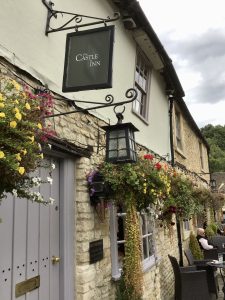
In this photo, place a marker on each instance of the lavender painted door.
(29, 238)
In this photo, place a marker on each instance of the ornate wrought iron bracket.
(77, 18)
(131, 95)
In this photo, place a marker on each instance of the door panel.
(29, 235)
(54, 232)
(6, 244)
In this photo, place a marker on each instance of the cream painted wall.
(23, 42)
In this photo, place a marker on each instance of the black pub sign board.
(88, 59)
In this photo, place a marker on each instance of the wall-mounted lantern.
(120, 142)
(213, 184)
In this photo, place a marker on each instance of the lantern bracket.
(131, 95)
(73, 17)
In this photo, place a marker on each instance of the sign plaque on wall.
(96, 251)
(88, 60)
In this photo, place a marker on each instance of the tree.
(215, 136)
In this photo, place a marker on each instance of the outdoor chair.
(218, 241)
(211, 272)
(211, 254)
(190, 284)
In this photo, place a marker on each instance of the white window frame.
(142, 82)
(186, 224)
(147, 262)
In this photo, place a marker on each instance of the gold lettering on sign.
(27, 286)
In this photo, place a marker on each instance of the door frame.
(67, 229)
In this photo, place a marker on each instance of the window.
(178, 131)
(201, 155)
(186, 225)
(142, 73)
(117, 217)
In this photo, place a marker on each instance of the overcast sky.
(193, 34)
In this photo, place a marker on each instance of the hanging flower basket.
(21, 131)
(98, 189)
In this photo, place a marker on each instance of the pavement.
(220, 294)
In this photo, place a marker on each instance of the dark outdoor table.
(220, 266)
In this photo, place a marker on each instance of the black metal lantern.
(120, 142)
(213, 184)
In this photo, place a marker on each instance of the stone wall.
(94, 281)
(190, 154)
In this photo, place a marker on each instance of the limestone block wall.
(94, 281)
(190, 154)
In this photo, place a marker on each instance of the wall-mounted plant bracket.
(77, 18)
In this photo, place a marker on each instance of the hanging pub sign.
(88, 60)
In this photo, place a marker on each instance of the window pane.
(151, 245)
(141, 83)
(145, 248)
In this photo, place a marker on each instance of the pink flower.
(148, 156)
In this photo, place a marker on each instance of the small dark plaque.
(88, 59)
(96, 251)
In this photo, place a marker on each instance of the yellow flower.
(2, 154)
(2, 105)
(27, 105)
(18, 116)
(16, 85)
(13, 124)
(24, 151)
(16, 101)
(16, 109)
(21, 170)
(42, 156)
(2, 115)
(31, 138)
(39, 126)
(18, 157)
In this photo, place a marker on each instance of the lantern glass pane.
(116, 134)
(122, 153)
(112, 154)
(112, 144)
(122, 144)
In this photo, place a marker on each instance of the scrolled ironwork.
(75, 17)
(109, 98)
(131, 94)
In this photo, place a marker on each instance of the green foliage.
(194, 247)
(211, 230)
(183, 197)
(20, 134)
(215, 136)
(132, 261)
(160, 188)
(144, 179)
(123, 292)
